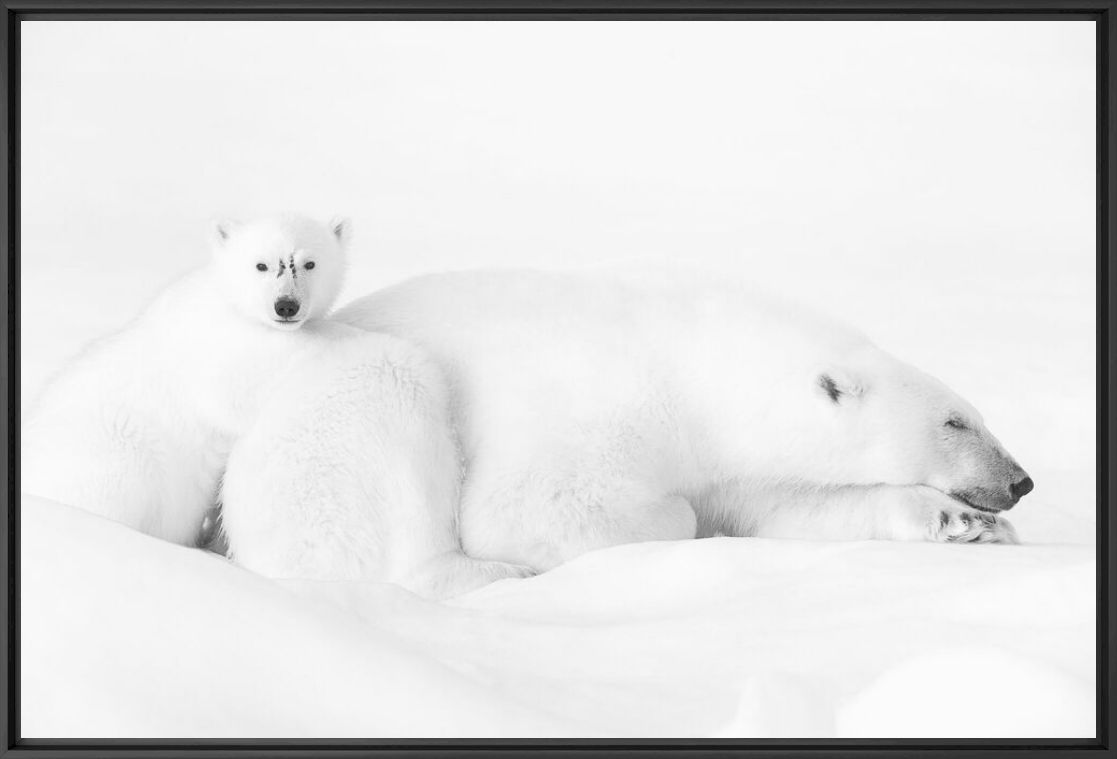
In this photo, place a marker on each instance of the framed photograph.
(427, 378)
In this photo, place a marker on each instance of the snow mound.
(126, 636)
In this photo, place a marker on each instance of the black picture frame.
(1102, 12)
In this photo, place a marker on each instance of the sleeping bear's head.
(889, 422)
(283, 270)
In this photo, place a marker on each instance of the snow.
(721, 637)
(932, 183)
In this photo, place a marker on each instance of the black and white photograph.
(585, 378)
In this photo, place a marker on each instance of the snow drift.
(124, 635)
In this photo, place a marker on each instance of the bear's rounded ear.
(222, 229)
(342, 230)
(839, 386)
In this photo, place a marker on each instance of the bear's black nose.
(286, 307)
(1022, 488)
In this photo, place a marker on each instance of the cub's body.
(138, 427)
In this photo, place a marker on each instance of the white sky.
(523, 141)
(933, 182)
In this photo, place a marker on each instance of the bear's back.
(485, 318)
(536, 355)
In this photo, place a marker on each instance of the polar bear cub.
(138, 427)
(352, 472)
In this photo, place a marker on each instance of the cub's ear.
(222, 229)
(839, 386)
(342, 229)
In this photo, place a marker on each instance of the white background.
(932, 182)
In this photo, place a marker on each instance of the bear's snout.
(1001, 496)
(1021, 488)
(286, 308)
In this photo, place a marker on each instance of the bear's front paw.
(962, 525)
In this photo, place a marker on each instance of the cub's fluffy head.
(888, 422)
(283, 270)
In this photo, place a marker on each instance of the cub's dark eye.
(261, 267)
(309, 265)
(956, 424)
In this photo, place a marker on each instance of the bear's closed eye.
(827, 383)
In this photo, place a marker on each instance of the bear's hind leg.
(550, 529)
(669, 517)
(452, 574)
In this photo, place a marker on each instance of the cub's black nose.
(286, 307)
(1022, 488)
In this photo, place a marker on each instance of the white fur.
(353, 473)
(594, 412)
(137, 428)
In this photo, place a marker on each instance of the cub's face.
(281, 271)
(910, 429)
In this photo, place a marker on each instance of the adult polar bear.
(593, 412)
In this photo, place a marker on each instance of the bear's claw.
(969, 526)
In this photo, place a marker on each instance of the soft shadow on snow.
(127, 636)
